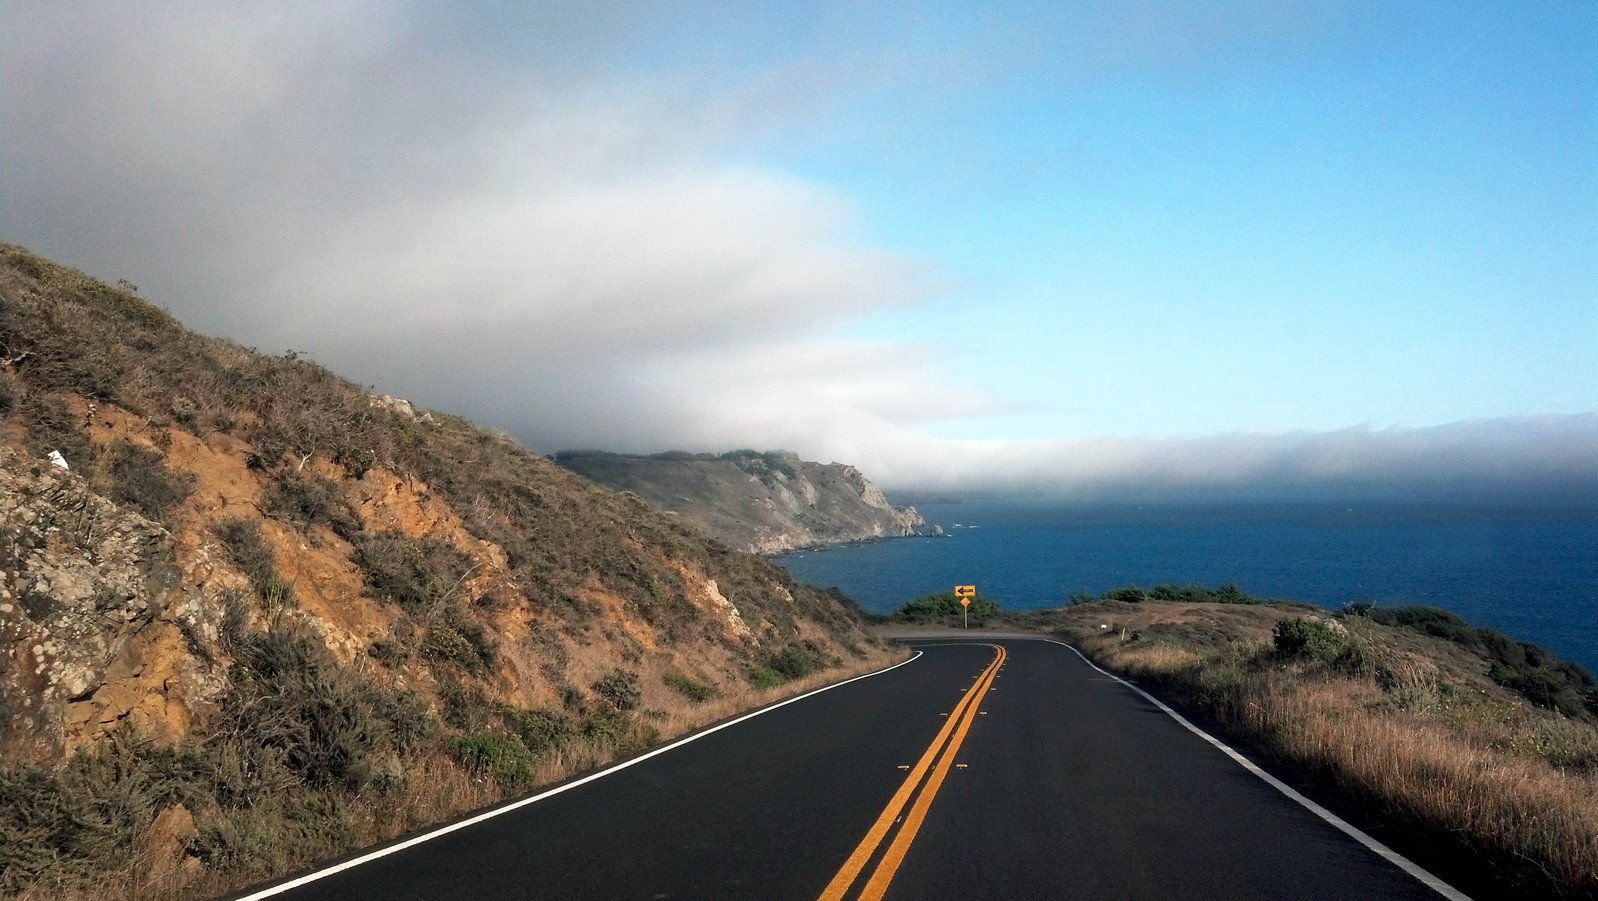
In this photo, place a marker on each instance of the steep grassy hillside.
(763, 502)
(266, 616)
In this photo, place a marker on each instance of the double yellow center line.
(939, 757)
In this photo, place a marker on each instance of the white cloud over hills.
(509, 219)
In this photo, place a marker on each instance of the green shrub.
(796, 661)
(1325, 642)
(540, 730)
(1521, 666)
(454, 637)
(503, 757)
(764, 677)
(619, 690)
(1433, 621)
(693, 690)
(140, 479)
(389, 653)
(1300, 637)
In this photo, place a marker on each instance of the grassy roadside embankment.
(1418, 720)
(78, 828)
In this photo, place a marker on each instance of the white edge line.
(1349, 829)
(533, 799)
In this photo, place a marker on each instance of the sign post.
(965, 593)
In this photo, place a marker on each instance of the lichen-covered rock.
(88, 636)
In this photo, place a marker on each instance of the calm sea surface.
(1532, 575)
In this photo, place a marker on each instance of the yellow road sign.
(965, 602)
(964, 591)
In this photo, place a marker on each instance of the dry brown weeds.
(437, 789)
(1518, 783)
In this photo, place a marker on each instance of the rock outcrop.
(767, 503)
(92, 627)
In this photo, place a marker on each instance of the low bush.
(1196, 594)
(764, 677)
(502, 757)
(690, 688)
(619, 690)
(415, 572)
(247, 549)
(1324, 641)
(541, 731)
(141, 479)
(796, 661)
(1529, 669)
(454, 637)
(52, 426)
(305, 500)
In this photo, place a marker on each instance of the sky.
(1081, 247)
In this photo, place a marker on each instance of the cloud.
(512, 214)
(1549, 461)
(503, 227)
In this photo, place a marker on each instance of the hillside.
(767, 503)
(266, 617)
(1475, 752)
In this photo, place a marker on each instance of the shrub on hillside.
(688, 687)
(141, 479)
(541, 731)
(1433, 621)
(323, 723)
(248, 551)
(52, 426)
(619, 690)
(502, 757)
(1531, 670)
(304, 500)
(1324, 641)
(414, 572)
(1197, 594)
(454, 637)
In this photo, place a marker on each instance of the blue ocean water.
(1533, 575)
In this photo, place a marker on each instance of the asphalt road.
(1040, 779)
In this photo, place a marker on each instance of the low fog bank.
(1542, 463)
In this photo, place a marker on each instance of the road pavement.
(999, 768)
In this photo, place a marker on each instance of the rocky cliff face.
(767, 503)
(92, 621)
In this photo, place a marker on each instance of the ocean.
(1533, 575)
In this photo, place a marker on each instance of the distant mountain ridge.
(766, 502)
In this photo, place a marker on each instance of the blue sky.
(1068, 242)
(1369, 215)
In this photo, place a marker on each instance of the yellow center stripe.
(958, 723)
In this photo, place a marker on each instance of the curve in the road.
(503, 809)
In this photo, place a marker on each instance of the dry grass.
(435, 787)
(1517, 783)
